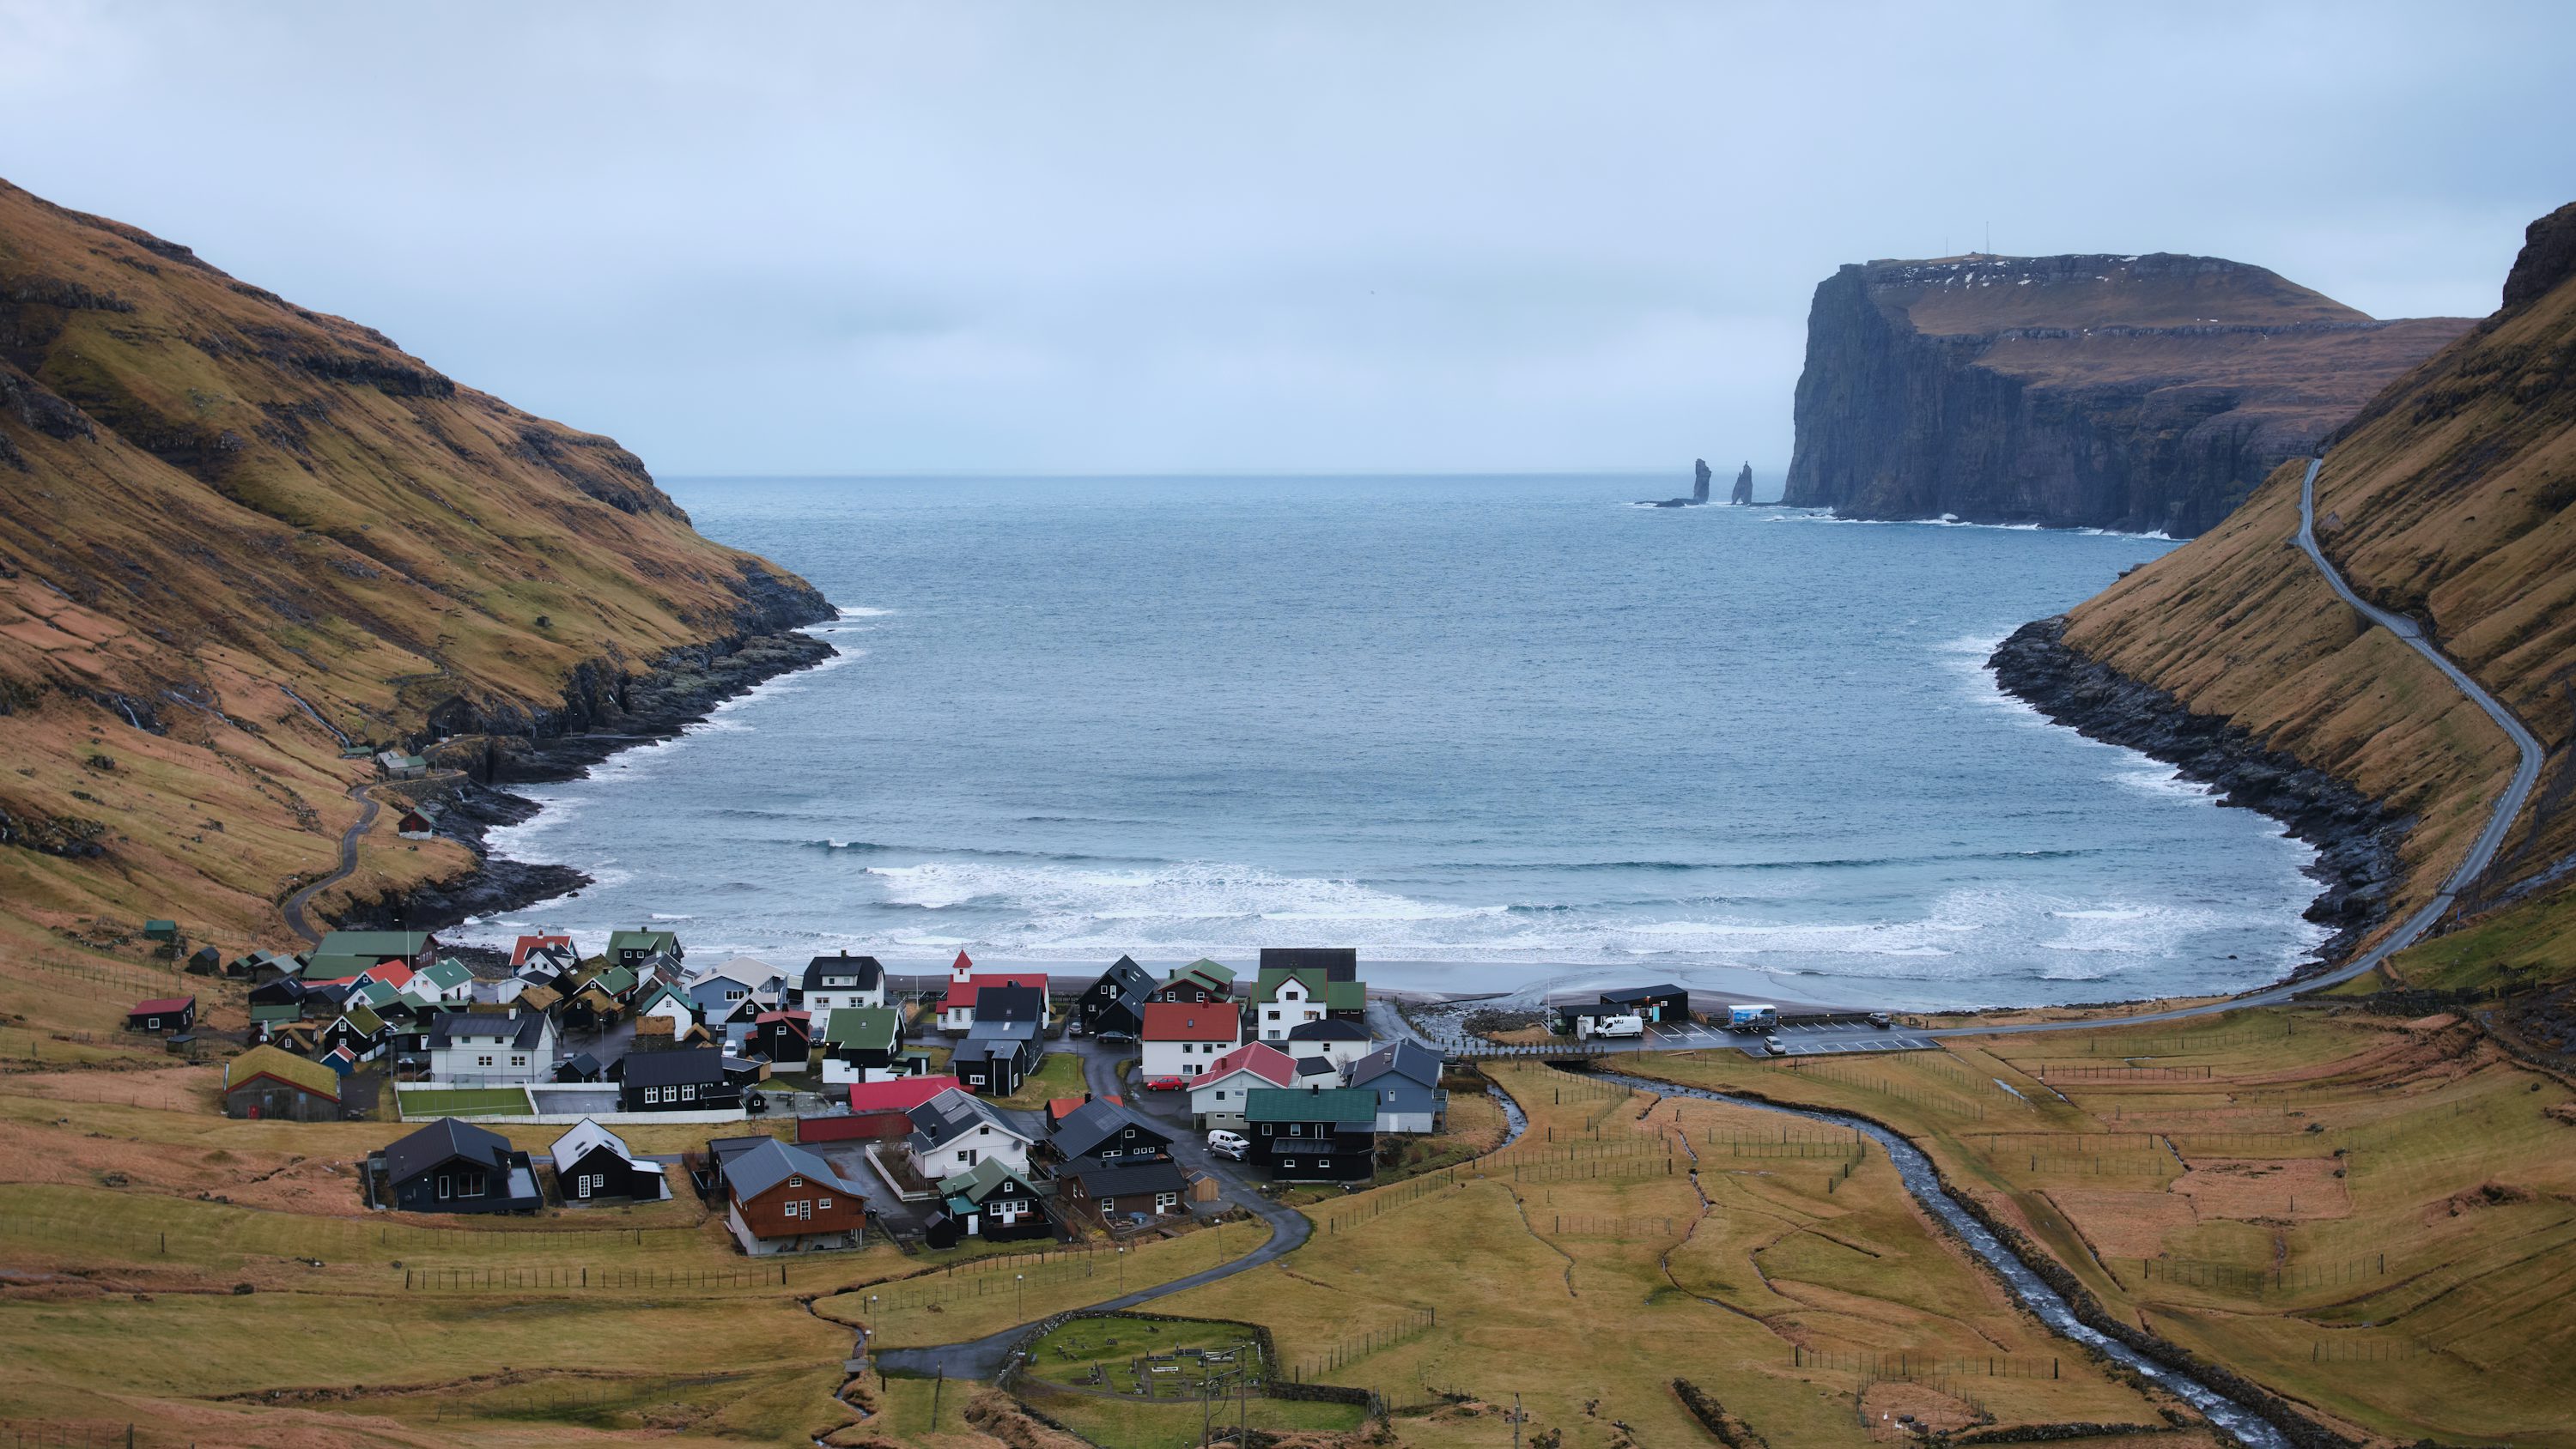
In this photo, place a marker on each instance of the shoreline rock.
(2357, 839)
(604, 711)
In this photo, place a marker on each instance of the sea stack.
(1700, 477)
(1743, 486)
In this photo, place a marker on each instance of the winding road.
(348, 863)
(983, 1358)
(2508, 807)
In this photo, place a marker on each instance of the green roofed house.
(1310, 1136)
(1199, 982)
(634, 948)
(161, 930)
(446, 978)
(863, 1044)
(412, 948)
(617, 981)
(267, 1083)
(997, 1201)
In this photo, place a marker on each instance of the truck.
(1629, 1025)
(1753, 1017)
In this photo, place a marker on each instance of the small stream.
(1917, 1173)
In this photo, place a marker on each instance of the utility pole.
(1516, 1421)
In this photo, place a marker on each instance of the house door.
(583, 1186)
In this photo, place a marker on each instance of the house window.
(966, 1156)
(824, 1203)
(652, 1095)
(482, 1061)
(1296, 1129)
(446, 1186)
(1267, 1130)
(689, 1093)
(1165, 1201)
(518, 1061)
(795, 1182)
(1288, 1162)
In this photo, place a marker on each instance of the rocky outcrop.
(2141, 393)
(1743, 486)
(2357, 840)
(1699, 480)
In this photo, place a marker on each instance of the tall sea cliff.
(2145, 393)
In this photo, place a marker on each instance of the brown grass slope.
(2445, 497)
(208, 493)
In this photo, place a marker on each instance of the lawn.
(1130, 1423)
(424, 1103)
(1059, 1074)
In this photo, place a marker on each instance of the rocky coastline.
(2356, 838)
(604, 711)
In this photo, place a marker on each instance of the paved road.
(983, 1358)
(2508, 806)
(348, 862)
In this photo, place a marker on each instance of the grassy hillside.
(2446, 497)
(230, 526)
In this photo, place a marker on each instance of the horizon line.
(974, 473)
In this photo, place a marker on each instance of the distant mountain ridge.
(2146, 392)
(234, 531)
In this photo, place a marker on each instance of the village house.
(1327, 1136)
(632, 949)
(954, 1130)
(1108, 1132)
(1197, 984)
(593, 1164)
(1216, 1094)
(345, 953)
(833, 982)
(996, 1201)
(277, 1086)
(1180, 1041)
(957, 1008)
(717, 990)
(879, 1109)
(162, 1013)
(580, 1067)
(689, 1079)
(419, 822)
(360, 1030)
(1283, 1002)
(490, 1049)
(862, 1044)
(782, 1199)
(1405, 1077)
(1127, 1188)
(677, 1019)
(554, 948)
(399, 765)
(1114, 1005)
(443, 982)
(784, 1037)
(1332, 972)
(1006, 1042)
(1333, 1041)
(455, 1167)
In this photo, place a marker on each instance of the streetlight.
(873, 1316)
(1122, 1268)
(1020, 1285)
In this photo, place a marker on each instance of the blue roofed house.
(1405, 1076)
(718, 990)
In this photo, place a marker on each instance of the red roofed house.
(527, 944)
(163, 1013)
(1184, 1040)
(957, 1008)
(1216, 1093)
(393, 973)
(880, 1106)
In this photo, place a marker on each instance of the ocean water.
(1508, 734)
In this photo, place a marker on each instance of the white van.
(1629, 1025)
(1229, 1144)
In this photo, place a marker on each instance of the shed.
(163, 931)
(1662, 1002)
(162, 1013)
(267, 1083)
(592, 1163)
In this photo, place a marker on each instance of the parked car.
(1162, 1084)
(1629, 1025)
(1881, 1020)
(1774, 1046)
(1229, 1144)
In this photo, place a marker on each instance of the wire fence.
(1903, 1364)
(1845, 1075)
(2105, 1072)
(82, 1434)
(1388, 1199)
(2247, 1279)
(484, 1280)
(1336, 1357)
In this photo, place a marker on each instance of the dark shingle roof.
(769, 1162)
(442, 1140)
(1118, 1179)
(865, 969)
(1644, 993)
(1331, 1028)
(951, 1115)
(1096, 1124)
(669, 1068)
(1010, 1003)
(1409, 1060)
(522, 1029)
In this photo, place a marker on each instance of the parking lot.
(1821, 1039)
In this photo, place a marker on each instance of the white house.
(669, 1005)
(957, 1008)
(1184, 1040)
(955, 1130)
(720, 989)
(1330, 1040)
(1290, 1004)
(836, 981)
(491, 1048)
(1216, 1094)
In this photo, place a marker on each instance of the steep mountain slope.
(2447, 497)
(2138, 392)
(233, 531)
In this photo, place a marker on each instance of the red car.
(1162, 1084)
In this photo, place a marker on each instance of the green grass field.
(422, 1103)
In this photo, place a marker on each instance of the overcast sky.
(1241, 237)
